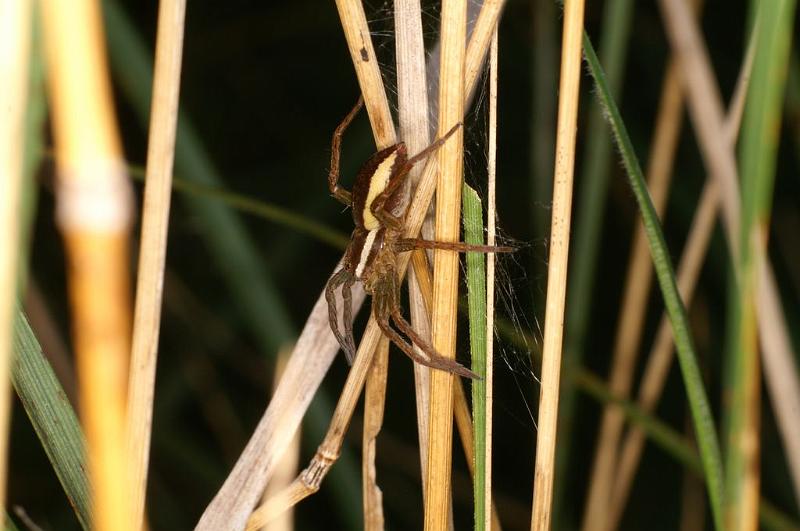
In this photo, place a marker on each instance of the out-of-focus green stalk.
(10, 525)
(256, 207)
(476, 300)
(34, 148)
(590, 206)
(693, 381)
(52, 418)
(261, 305)
(793, 100)
(757, 160)
(543, 118)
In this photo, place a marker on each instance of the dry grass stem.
(780, 370)
(461, 411)
(705, 105)
(286, 470)
(15, 42)
(359, 42)
(479, 42)
(412, 98)
(374, 401)
(660, 358)
(314, 353)
(557, 267)
(153, 245)
(453, 39)
(316, 347)
(420, 298)
(315, 350)
(94, 213)
(490, 239)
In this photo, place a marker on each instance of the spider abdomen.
(372, 179)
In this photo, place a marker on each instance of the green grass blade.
(476, 300)
(10, 525)
(35, 116)
(52, 417)
(758, 159)
(693, 381)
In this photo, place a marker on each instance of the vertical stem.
(758, 159)
(412, 100)
(356, 30)
(476, 301)
(557, 270)
(153, 245)
(286, 469)
(589, 217)
(374, 401)
(94, 214)
(445, 269)
(492, 174)
(15, 41)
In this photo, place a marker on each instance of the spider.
(371, 256)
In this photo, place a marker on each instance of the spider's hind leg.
(345, 279)
(403, 245)
(347, 303)
(434, 359)
(384, 305)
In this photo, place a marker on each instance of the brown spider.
(371, 256)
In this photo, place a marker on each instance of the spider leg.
(434, 359)
(340, 277)
(409, 244)
(378, 209)
(336, 151)
(384, 306)
(433, 147)
(347, 300)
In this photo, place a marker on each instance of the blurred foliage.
(264, 84)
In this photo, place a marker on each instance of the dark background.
(264, 85)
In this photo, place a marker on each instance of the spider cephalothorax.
(371, 257)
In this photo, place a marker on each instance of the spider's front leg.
(336, 151)
(379, 205)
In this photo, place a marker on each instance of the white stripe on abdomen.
(369, 241)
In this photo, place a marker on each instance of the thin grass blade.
(52, 418)
(476, 300)
(758, 159)
(695, 391)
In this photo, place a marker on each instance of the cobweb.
(517, 330)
